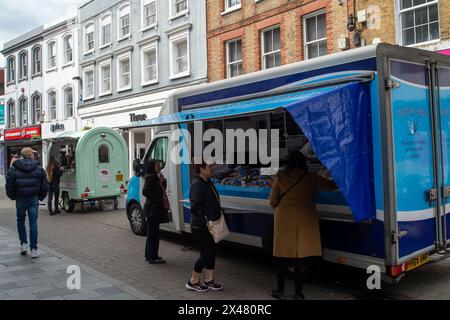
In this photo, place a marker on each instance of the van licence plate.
(119, 177)
(418, 261)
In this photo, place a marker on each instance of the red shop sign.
(23, 133)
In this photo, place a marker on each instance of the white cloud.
(20, 16)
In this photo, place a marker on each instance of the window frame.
(106, 16)
(85, 83)
(68, 39)
(173, 14)
(120, 37)
(66, 109)
(11, 60)
(50, 106)
(229, 64)
(174, 40)
(265, 54)
(12, 119)
(145, 3)
(23, 106)
(144, 50)
(120, 59)
(399, 26)
(34, 119)
(35, 61)
(306, 43)
(52, 43)
(23, 64)
(229, 8)
(85, 38)
(100, 161)
(101, 67)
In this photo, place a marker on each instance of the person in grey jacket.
(26, 183)
(205, 206)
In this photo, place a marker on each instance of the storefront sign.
(137, 117)
(57, 127)
(2, 111)
(23, 133)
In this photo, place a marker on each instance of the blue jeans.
(31, 206)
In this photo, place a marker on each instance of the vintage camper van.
(95, 164)
(378, 121)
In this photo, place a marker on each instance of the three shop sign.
(137, 117)
(23, 133)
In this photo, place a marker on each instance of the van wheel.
(137, 219)
(68, 205)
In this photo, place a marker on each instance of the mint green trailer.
(95, 165)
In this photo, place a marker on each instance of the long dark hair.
(50, 166)
(297, 160)
(150, 169)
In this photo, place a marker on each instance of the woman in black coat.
(155, 208)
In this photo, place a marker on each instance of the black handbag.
(166, 216)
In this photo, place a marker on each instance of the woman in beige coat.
(296, 228)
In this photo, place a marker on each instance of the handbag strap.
(290, 188)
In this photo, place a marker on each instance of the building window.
(271, 48)
(23, 107)
(89, 38)
(232, 4)
(105, 78)
(106, 30)
(419, 21)
(11, 69)
(149, 65)
(179, 55)
(68, 102)
(52, 55)
(103, 154)
(68, 51)
(12, 114)
(124, 22)
(315, 27)
(37, 60)
(88, 84)
(179, 7)
(148, 13)
(234, 58)
(52, 105)
(124, 72)
(36, 106)
(23, 65)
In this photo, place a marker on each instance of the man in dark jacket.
(26, 183)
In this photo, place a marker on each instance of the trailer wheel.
(137, 219)
(68, 205)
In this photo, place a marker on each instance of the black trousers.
(205, 242)
(152, 243)
(300, 266)
(53, 192)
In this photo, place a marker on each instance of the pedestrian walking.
(156, 208)
(296, 227)
(26, 183)
(205, 206)
(54, 173)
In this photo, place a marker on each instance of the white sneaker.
(23, 249)
(35, 253)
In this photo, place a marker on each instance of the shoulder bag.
(287, 191)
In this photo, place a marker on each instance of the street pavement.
(112, 261)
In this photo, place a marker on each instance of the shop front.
(18, 138)
(53, 129)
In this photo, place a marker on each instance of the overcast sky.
(20, 16)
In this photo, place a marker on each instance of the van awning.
(336, 121)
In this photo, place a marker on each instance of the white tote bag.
(219, 229)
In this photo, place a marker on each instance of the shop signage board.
(23, 133)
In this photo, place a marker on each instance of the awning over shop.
(335, 119)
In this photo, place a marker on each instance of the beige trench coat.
(296, 228)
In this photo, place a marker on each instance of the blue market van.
(378, 121)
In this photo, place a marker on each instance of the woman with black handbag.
(156, 209)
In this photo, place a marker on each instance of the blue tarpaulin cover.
(336, 121)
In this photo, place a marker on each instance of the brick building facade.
(236, 29)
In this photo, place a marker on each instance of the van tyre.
(68, 205)
(137, 219)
